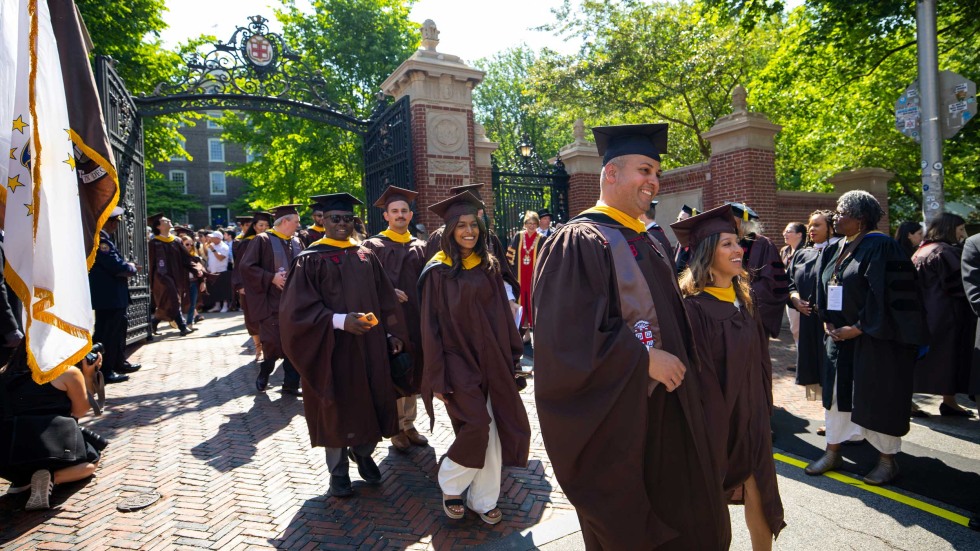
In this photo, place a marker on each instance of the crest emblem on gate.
(259, 50)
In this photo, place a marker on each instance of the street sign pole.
(932, 138)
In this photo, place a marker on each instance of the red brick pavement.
(235, 469)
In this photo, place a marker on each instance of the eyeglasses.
(337, 218)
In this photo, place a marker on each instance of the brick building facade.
(205, 176)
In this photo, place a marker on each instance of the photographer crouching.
(41, 442)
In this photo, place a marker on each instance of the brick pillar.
(873, 180)
(583, 164)
(743, 161)
(484, 148)
(443, 130)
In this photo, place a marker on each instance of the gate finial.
(430, 35)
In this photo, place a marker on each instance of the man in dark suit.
(110, 298)
(970, 270)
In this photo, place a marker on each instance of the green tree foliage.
(356, 44)
(507, 108)
(168, 197)
(651, 62)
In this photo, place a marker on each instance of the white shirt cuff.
(338, 321)
(510, 292)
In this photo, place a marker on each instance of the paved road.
(235, 471)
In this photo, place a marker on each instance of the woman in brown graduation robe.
(471, 349)
(945, 368)
(736, 372)
(170, 269)
(260, 222)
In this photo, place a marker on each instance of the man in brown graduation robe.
(264, 266)
(342, 352)
(170, 269)
(402, 257)
(770, 284)
(259, 222)
(623, 426)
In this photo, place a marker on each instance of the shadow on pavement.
(927, 472)
(406, 509)
(15, 521)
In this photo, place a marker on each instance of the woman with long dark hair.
(872, 313)
(909, 236)
(945, 368)
(472, 348)
(802, 272)
(736, 372)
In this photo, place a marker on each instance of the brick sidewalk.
(235, 469)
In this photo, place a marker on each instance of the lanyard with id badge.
(835, 288)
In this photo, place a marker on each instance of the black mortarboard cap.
(336, 201)
(630, 139)
(653, 204)
(457, 205)
(261, 215)
(154, 219)
(394, 193)
(183, 230)
(695, 229)
(743, 211)
(243, 218)
(474, 188)
(284, 210)
(545, 212)
(690, 210)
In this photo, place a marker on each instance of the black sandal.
(455, 502)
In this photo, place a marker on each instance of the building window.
(216, 151)
(218, 184)
(183, 145)
(219, 215)
(214, 124)
(179, 177)
(249, 155)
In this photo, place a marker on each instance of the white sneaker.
(214, 309)
(41, 487)
(224, 308)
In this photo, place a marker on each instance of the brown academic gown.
(312, 236)
(434, 245)
(258, 269)
(736, 387)
(171, 266)
(348, 395)
(403, 263)
(238, 253)
(638, 468)
(945, 368)
(471, 349)
(770, 284)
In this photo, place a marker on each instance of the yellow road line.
(894, 496)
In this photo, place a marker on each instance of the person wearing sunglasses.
(264, 265)
(340, 322)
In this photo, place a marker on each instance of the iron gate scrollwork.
(517, 192)
(125, 129)
(387, 155)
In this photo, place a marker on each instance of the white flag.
(43, 235)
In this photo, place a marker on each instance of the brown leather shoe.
(401, 442)
(830, 461)
(885, 472)
(415, 438)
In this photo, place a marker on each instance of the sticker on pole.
(957, 106)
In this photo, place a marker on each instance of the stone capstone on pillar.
(873, 180)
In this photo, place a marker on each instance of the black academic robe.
(170, 269)
(434, 245)
(348, 394)
(873, 372)
(403, 263)
(768, 279)
(660, 235)
(736, 390)
(312, 235)
(802, 272)
(970, 268)
(945, 368)
(637, 467)
(682, 256)
(472, 349)
(258, 270)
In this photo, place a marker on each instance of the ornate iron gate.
(520, 191)
(125, 128)
(387, 155)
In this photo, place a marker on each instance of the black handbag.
(28, 439)
(402, 366)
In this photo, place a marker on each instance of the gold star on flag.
(12, 151)
(30, 209)
(19, 124)
(70, 161)
(14, 183)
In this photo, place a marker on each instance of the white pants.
(407, 412)
(840, 428)
(794, 324)
(483, 484)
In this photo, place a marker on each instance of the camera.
(93, 354)
(96, 440)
